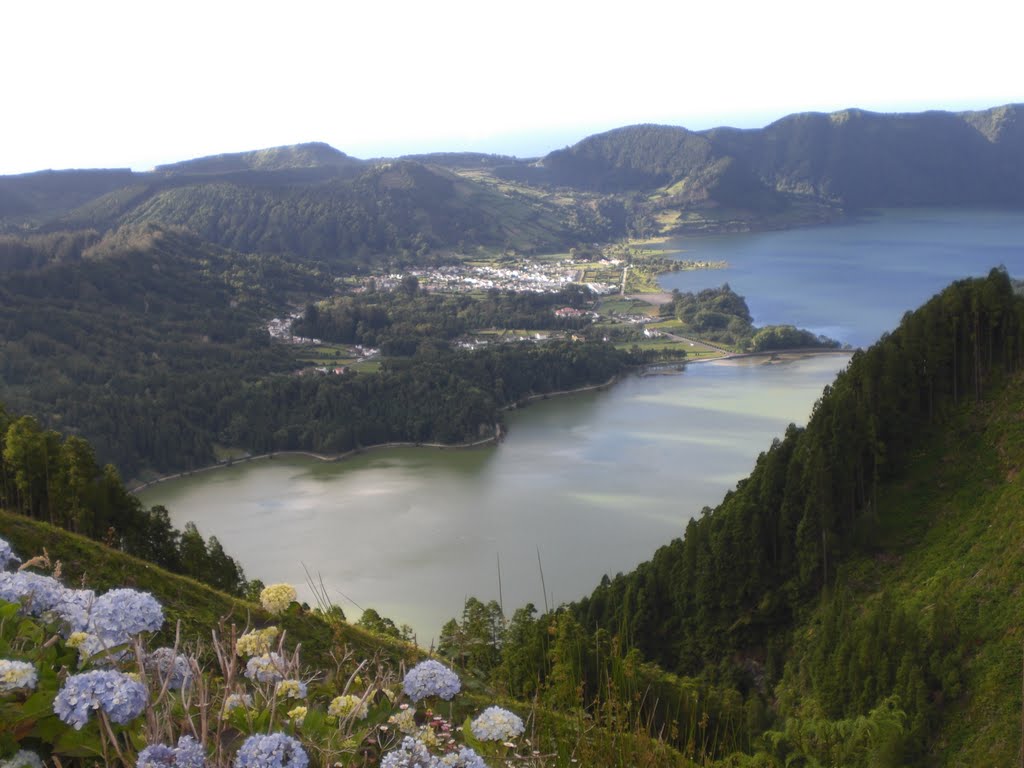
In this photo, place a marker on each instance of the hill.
(399, 208)
(305, 202)
(312, 155)
(313, 201)
(839, 584)
(804, 166)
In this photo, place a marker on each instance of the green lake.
(595, 482)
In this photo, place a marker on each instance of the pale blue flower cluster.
(188, 754)
(17, 675)
(170, 667)
(155, 756)
(37, 593)
(268, 668)
(497, 724)
(121, 613)
(111, 619)
(236, 700)
(431, 678)
(413, 753)
(22, 759)
(464, 758)
(73, 609)
(7, 555)
(45, 597)
(274, 751)
(117, 694)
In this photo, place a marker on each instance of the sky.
(135, 84)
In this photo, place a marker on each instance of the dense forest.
(726, 596)
(399, 321)
(722, 315)
(56, 478)
(152, 344)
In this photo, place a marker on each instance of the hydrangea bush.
(277, 597)
(17, 675)
(431, 678)
(77, 680)
(497, 724)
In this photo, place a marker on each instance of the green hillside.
(312, 155)
(331, 649)
(944, 575)
(803, 168)
(394, 208)
(863, 579)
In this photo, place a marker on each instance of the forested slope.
(724, 600)
(151, 343)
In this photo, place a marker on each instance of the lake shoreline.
(492, 440)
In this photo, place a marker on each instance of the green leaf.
(39, 704)
(83, 743)
(8, 610)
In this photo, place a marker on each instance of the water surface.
(854, 281)
(595, 482)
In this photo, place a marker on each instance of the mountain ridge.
(314, 201)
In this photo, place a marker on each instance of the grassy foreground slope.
(562, 738)
(198, 607)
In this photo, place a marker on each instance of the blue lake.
(854, 281)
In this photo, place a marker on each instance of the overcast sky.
(134, 84)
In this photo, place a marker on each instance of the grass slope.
(198, 607)
(566, 739)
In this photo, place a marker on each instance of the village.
(524, 275)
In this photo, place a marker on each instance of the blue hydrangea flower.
(188, 754)
(412, 753)
(17, 675)
(464, 758)
(268, 668)
(121, 697)
(73, 610)
(274, 751)
(156, 756)
(431, 678)
(37, 593)
(497, 724)
(45, 597)
(7, 555)
(169, 666)
(89, 646)
(121, 613)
